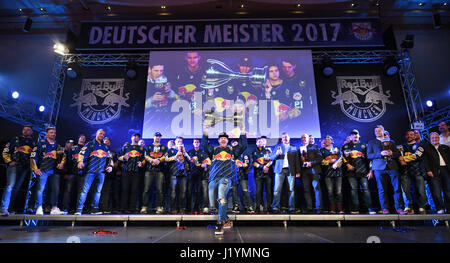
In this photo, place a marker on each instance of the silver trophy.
(219, 74)
(211, 118)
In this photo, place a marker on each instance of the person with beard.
(177, 160)
(197, 187)
(133, 158)
(357, 171)
(109, 183)
(74, 178)
(155, 157)
(16, 156)
(413, 169)
(263, 174)
(243, 164)
(44, 162)
(332, 172)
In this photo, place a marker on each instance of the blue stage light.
(15, 95)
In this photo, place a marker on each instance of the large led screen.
(266, 92)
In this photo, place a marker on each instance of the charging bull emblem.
(362, 31)
(361, 97)
(100, 100)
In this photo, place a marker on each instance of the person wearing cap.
(331, 170)
(94, 159)
(243, 164)
(155, 155)
(178, 163)
(197, 187)
(223, 171)
(356, 169)
(133, 156)
(384, 153)
(16, 155)
(44, 162)
(263, 174)
(73, 180)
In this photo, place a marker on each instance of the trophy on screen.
(386, 146)
(219, 73)
(211, 118)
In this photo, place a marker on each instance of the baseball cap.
(354, 131)
(157, 134)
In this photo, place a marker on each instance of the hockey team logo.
(362, 31)
(100, 100)
(361, 97)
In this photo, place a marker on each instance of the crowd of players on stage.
(97, 180)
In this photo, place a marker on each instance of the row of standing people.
(188, 172)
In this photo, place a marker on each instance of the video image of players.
(218, 83)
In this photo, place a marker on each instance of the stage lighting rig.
(131, 69)
(61, 49)
(391, 66)
(327, 67)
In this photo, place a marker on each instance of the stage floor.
(238, 234)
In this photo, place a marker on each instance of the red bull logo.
(51, 154)
(331, 157)
(355, 154)
(207, 161)
(362, 31)
(25, 149)
(75, 156)
(239, 162)
(261, 160)
(222, 156)
(134, 153)
(156, 154)
(99, 153)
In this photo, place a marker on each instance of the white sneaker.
(39, 211)
(143, 210)
(56, 211)
(422, 211)
(440, 211)
(77, 213)
(159, 210)
(205, 210)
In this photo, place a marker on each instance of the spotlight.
(299, 5)
(163, 7)
(430, 103)
(391, 66)
(327, 67)
(60, 49)
(131, 69)
(445, 4)
(408, 42)
(352, 4)
(42, 10)
(41, 108)
(242, 5)
(421, 4)
(20, 9)
(108, 8)
(15, 95)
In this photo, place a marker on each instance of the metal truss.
(354, 57)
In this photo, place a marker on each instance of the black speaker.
(27, 25)
(436, 20)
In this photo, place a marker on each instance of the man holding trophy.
(383, 153)
(223, 170)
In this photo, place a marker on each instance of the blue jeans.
(15, 176)
(384, 177)
(246, 199)
(88, 180)
(218, 190)
(419, 182)
(150, 177)
(334, 189)
(42, 181)
(357, 182)
(279, 180)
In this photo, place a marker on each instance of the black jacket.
(432, 157)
